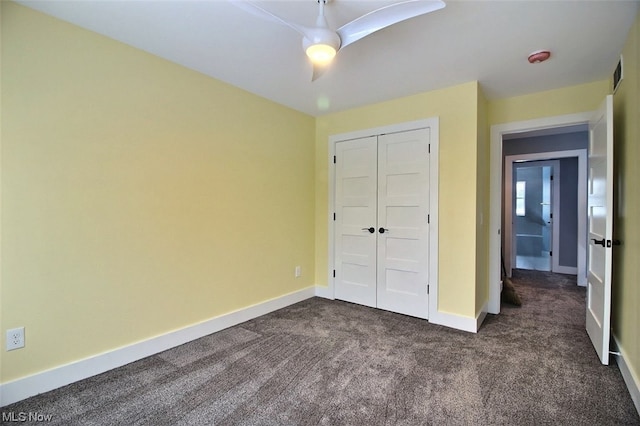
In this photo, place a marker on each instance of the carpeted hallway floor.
(323, 362)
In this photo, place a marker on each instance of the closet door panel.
(403, 227)
(356, 211)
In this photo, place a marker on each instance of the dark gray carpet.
(333, 363)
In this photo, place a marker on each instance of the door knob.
(372, 229)
(383, 230)
(600, 242)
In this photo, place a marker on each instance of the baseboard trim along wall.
(440, 318)
(458, 322)
(324, 292)
(631, 378)
(482, 315)
(571, 270)
(45, 381)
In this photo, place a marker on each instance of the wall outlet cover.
(15, 338)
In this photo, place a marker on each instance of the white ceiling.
(488, 41)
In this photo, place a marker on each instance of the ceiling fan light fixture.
(321, 45)
(320, 53)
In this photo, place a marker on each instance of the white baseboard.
(324, 292)
(458, 322)
(448, 320)
(631, 377)
(582, 280)
(482, 315)
(45, 381)
(569, 270)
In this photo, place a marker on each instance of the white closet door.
(356, 209)
(403, 227)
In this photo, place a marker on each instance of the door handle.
(383, 230)
(600, 242)
(371, 230)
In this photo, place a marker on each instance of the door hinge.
(334, 216)
(429, 149)
(551, 215)
(550, 253)
(428, 218)
(334, 159)
(427, 288)
(551, 177)
(334, 273)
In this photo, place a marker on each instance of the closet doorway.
(383, 220)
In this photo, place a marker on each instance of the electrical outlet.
(298, 272)
(15, 338)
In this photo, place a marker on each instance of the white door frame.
(495, 168)
(581, 154)
(431, 123)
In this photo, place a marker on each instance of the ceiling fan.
(321, 43)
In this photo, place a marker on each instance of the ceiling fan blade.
(256, 10)
(318, 70)
(384, 17)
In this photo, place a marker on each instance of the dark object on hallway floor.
(334, 363)
(508, 294)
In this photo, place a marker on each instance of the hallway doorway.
(533, 214)
(550, 233)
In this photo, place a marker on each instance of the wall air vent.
(617, 75)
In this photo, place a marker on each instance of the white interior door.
(356, 220)
(403, 222)
(382, 221)
(600, 225)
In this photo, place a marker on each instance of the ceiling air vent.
(617, 75)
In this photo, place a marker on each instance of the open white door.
(600, 225)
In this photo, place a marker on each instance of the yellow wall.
(626, 291)
(550, 103)
(457, 108)
(482, 206)
(138, 197)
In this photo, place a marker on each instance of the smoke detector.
(539, 56)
